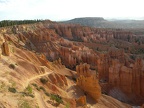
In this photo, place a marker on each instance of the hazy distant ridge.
(100, 22)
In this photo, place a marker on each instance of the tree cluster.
(5, 23)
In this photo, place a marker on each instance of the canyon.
(69, 65)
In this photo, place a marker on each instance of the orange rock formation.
(5, 49)
(88, 82)
(81, 101)
(106, 50)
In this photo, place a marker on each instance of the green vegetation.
(28, 92)
(42, 88)
(47, 94)
(56, 98)
(53, 97)
(12, 66)
(5, 23)
(67, 105)
(36, 86)
(11, 89)
(29, 89)
(43, 80)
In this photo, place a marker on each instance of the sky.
(57, 10)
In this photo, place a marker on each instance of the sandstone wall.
(90, 85)
(5, 49)
(88, 82)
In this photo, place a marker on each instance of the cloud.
(67, 9)
(3, 1)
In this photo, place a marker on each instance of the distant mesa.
(100, 22)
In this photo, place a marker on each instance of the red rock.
(90, 85)
(115, 68)
(81, 101)
(83, 69)
(58, 80)
(5, 49)
(142, 106)
(88, 82)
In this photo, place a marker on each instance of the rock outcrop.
(83, 69)
(138, 77)
(127, 79)
(142, 106)
(81, 101)
(58, 80)
(88, 82)
(90, 86)
(5, 49)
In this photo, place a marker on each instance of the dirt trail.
(39, 98)
(35, 77)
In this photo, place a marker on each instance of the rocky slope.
(49, 57)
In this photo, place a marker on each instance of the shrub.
(46, 93)
(12, 66)
(38, 88)
(35, 85)
(57, 98)
(29, 89)
(11, 89)
(31, 95)
(43, 80)
(27, 94)
(42, 88)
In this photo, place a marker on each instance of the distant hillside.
(100, 22)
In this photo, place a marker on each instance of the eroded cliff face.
(120, 76)
(106, 50)
(68, 41)
(88, 82)
(5, 49)
(28, 79)
(127, 79)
